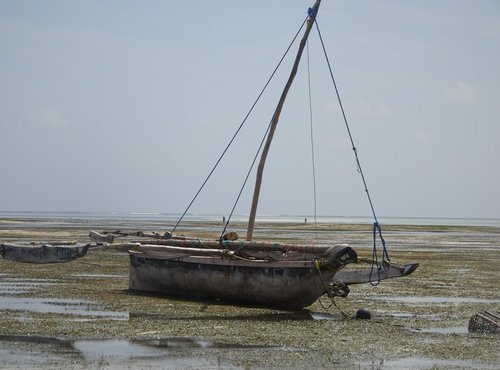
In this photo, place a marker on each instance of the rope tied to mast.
(312, 12)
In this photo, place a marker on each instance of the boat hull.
(42, 253)
(290, 285)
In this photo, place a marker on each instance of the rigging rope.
(312, 135)
(236, 134)
(244, 182)
(385, 255)
(376, 225)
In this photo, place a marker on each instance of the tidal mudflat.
(81, 314)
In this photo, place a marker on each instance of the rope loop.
(385, 255)
(336, 288)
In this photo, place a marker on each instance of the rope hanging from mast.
(313, 162)
(376, 225)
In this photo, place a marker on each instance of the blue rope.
(385, 255)
(312, 12)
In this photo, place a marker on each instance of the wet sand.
(81, 314)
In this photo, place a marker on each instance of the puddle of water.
(448, 330)
(325, 316)
(101, 276)
(150, 347)
(15, 354)
(432, 299)
(430, 363)
(183, 342)
(174, 352)
(402, 314)
(14, 289)
(432, 249)
(118, 349)
(34, 281)
(16, 286)
(11, 288)
(60, 306)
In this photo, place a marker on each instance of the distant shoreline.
(294, 219)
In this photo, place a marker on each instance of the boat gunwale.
(223, 260)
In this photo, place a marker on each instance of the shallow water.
(12, 298)
(115, 353)
(447, 330)
(59, 306)
(81, 314)
(439, 300)
(429, 363)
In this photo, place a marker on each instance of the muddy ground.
(81, 314)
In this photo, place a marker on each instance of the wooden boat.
(289, 281)
(256, 273)
(43, 253)
(264, 274)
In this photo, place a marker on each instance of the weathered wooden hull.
(287, 284)
(42, 253)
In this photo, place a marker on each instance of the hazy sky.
(126, 105)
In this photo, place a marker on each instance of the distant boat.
(44, 253)
(257, 273)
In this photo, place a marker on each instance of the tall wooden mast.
(274, 122)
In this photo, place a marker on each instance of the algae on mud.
(85, 308)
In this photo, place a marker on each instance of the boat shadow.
(272, 316)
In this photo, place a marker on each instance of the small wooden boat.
(43, 253)
(256, 273)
